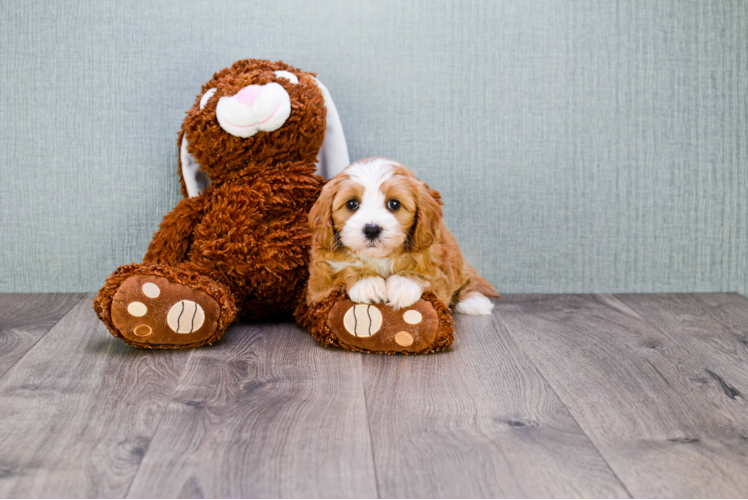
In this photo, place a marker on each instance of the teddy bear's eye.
(206, 97)
(287, 75)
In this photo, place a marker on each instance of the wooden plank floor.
(552, 396)
(25, 318)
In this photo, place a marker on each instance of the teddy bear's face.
(254, 114)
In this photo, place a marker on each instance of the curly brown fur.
(445, 332)
(173, 239)
(255, 239)
(313, 317)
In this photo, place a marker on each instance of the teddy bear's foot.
(153, 311)
(426, 326)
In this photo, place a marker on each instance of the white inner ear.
(333, 155)
(194, 180)
(287, 75)
(206, 97)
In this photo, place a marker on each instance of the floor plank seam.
(2, 375)
(160, 420)
(368, 427)
(566, 407)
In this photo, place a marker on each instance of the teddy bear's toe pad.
(381, 328)
(152, 311)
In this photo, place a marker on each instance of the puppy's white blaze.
(476, 304)
(372, 210)
(371, 174)
(368, 290)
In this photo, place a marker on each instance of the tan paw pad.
(151, 290)
(362, 320)
(404, 339)
(137, 309)
(142, 330)
(185, 316)
(412, 317)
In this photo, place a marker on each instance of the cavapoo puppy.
(378, 233)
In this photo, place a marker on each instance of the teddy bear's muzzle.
(255, 108)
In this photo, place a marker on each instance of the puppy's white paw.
(476, 304)
(402, 292)
(368, 290)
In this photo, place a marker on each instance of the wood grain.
(79, 410)
(25, 318)
(267, 413)
(729, 309)
(710, 328)
(657, 383)
(476, 421)
(643, 381)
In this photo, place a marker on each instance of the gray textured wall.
(579, 145)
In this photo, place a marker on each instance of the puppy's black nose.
(371, 231)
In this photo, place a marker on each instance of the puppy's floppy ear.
(320, 217)
(428, 217)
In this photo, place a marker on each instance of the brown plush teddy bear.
(238, 243)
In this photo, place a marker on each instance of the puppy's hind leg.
(474, 303)
(473, 298)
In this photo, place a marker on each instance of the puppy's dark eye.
(352, 204)
(393, 205)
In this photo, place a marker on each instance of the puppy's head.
(376, 208)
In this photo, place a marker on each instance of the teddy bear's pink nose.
(248, 95)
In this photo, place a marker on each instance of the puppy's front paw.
(402, 292)
(368, 290)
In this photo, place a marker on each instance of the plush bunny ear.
(333, 155)
(195, 181)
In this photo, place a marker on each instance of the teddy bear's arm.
(173, 240)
